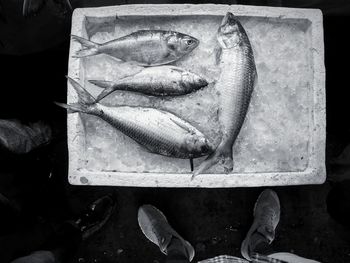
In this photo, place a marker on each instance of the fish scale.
(235, 87)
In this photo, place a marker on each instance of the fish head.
(230, 33)
(198, 145)
(191, 81)
(181, 44)
(199, 81)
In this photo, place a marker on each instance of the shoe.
(19, 138)
(156, 228)
(95, 216)
(266, 218)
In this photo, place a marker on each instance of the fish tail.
(85, 100)
(222, 154)
(89, 48)
(109, 87)
(71, 108)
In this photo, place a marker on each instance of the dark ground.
(213, 220)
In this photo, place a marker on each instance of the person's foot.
(95, 216)
(156, 228)
(266, 218)
(19, 138)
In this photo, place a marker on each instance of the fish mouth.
(208, 147)
(201, 82)
(196, 42)
(228, 25)
(229, 32)
(229, 18)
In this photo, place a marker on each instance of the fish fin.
(89, 48)
(177, 69)
(84, 96)
(183, 126)
(255, 78)
(222, 154)
(71, 108)
(105, 84)
(85, 99)
(32, 7)
(218, 53)
(171, 45)
(106, 92)
(117, 60)
(109, 87)
(205, 165)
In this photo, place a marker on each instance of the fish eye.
(190, 42)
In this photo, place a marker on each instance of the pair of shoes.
(266, 218)
(95, 216)
(156, 228)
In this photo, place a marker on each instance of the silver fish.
(145, 47)
(236, 84)
(155, 81)
(158, 131)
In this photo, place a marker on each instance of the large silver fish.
(158, 131)
(145, 47)
(155, 81)
(236, 84)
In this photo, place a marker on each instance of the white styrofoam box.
(282, 141)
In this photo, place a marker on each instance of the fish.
(155, 81)
(235, 85)
(144, 47)
(158, 131)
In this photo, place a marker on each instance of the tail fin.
(89, 48)
(85, 99)
(222, 154)
(71, 108)
(109, 87)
